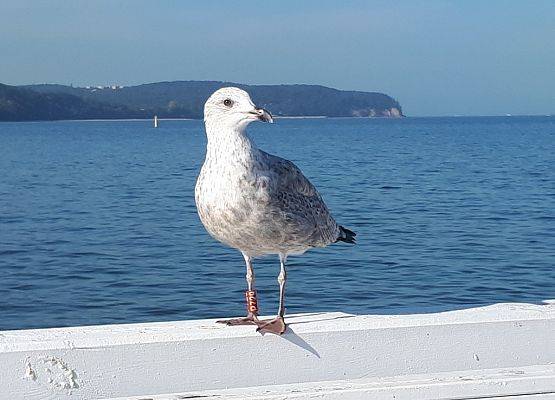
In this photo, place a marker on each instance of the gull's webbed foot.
(250, 319)
(276, 326)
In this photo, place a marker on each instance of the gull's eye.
(228, 102)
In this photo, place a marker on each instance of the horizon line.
(290, 117)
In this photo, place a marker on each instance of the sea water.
(98, 222)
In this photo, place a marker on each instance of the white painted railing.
(488, 352)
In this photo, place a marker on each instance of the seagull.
(256, 202)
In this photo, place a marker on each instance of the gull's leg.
(282, 277)
(252, 307)
(277, 325)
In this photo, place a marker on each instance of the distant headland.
(183, 99)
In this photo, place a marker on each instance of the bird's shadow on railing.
(292, 337)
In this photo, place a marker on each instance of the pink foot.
(276, 326)
(250, 319)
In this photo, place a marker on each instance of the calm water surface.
(98, 223)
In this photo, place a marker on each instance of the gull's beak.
(262, 115)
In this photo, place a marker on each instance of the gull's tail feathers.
(346, 235)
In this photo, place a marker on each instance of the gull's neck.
(227, 143)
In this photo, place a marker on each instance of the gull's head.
(232, 107)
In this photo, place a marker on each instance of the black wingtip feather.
(346, 235)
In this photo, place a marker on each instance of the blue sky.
(435, 57)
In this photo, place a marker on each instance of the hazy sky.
(435, 57)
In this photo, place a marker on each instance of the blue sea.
(98, 223)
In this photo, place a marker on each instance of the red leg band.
(252, 303)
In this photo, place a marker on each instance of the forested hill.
(183, 99)
(21, 104)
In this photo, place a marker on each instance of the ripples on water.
(98, 223)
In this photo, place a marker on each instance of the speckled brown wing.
(306, 217)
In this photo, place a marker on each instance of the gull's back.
(306, 219)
